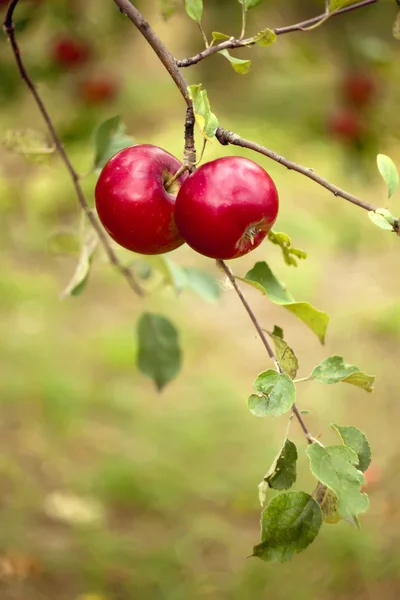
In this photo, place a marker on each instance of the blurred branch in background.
(9, 30)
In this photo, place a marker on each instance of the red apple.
(226, 208)
(346, 125)
(132, 202)
(98, 90)
(358, 88)
(69, 52)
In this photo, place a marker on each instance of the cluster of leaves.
(291, 520)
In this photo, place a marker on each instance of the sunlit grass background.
(109, 490)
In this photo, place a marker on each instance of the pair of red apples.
(223, 210)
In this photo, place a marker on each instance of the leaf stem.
(224, 267)
(203, 34)
(302, 379)
(244, 14)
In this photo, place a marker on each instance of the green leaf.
(282, 474)
(266, 37)
(109, 138)
(328, 502)
(334, 467)
(180, 278)
(159, 355)
(337, 4)
(203, 284)
(194, 9)
(64, 242)
(205, 119)
(396, 27)
(283, 241)
(334, 370)
(262, 278)
(278, 332)
(380, 220)
(219, 37)
(174, 275)
(32, 145)
(276, 394)
(250, 3)
(285, 356)
(366, 382)
(240, 66)
(357, 441)
(289, 523)
(389, 172)
(79, 279)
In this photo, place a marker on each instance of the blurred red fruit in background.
(359, 88)
(98, 90)
(346, 125)
(69, 53)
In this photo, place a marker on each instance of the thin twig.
(233, 43)
(9, 30)
(203, 34)
(228, 137)
(222, 265)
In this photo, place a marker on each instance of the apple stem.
(172, 179)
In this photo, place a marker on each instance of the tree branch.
(228, 137)
(9, 30)
(233, 43)
(224, 267)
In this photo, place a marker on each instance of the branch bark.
(233, 43)
(9, 30)
(228, 137)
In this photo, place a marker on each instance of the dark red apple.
(346, 125)
(358, 88)
(226, 208)
(69, 52)
(98, 90)
(132, 202)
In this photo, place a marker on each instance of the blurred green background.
(109, 490)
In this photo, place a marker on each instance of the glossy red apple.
(98, 90)
(359, 88)
(68, 52)
(132, 202)
(346, 125)
(226, 208)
